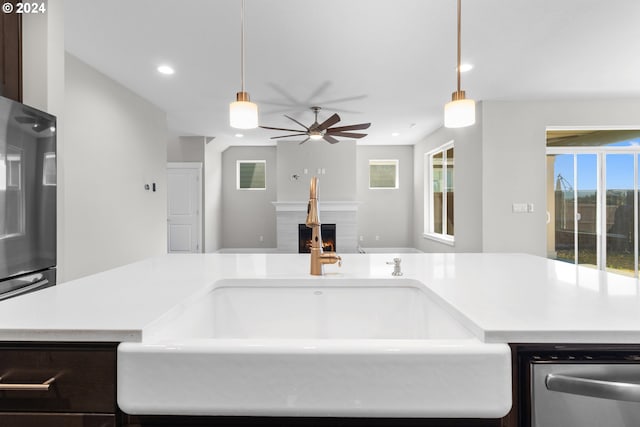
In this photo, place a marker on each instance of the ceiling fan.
(322, 130)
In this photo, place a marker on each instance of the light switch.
(519, 208)
(529, 207)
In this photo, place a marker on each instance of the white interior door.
(184, 204)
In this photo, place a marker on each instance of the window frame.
(429, 217)
(238, 163)
(380, 162)
(601, 153)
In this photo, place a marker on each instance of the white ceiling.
(388, 62)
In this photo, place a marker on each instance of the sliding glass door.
(620, 218)
(575, 211)
(593, 211)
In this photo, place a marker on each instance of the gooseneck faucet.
(318, 257)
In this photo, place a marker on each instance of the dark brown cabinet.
(11, 54)
(58, 385)
(57, 420)
(180, 421)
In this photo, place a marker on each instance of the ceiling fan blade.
(330, 139)
(287, 136)
(291, 118)
(329, 122)
(318, 91)
(304, 141)
(347, 134)
(360, 126)
(288, 130)
(339, 100)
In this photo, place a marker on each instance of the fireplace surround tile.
(342, 213)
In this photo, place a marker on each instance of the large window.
(438, 221)
(251, 174)
(592, 201)
(383, 174)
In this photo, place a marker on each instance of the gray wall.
(248, 214)
(213, 196)
(386, 213)
(468, 183)
(514, 164)
(186, 149)
(111, 149)
(338, 183)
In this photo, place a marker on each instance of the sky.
(619, 169)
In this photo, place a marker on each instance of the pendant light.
(243, 114)
(460, 112)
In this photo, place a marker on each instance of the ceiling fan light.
(243, 114)
(315, 136)
(460, 113)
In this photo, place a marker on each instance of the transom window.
(383, 174)
(251, 174)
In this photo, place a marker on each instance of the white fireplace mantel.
(325, 206)
(341, 213)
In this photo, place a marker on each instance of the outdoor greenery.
(621, 263)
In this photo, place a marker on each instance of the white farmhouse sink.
(314, 347)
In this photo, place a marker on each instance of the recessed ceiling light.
(465, 67)
(239, 135)
(395, 134)
(165, 69)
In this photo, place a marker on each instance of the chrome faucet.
(396, 266)
(318, 257)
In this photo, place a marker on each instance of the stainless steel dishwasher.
(597, 390)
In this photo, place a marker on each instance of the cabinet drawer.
(56, 420)
(84, 379)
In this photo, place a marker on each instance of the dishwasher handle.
(613, 390)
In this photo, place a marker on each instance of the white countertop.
(509, 298)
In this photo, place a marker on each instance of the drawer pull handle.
(45, 386)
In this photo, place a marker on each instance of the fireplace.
(328, 232)
(343, 214)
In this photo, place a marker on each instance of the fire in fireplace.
(328, 232)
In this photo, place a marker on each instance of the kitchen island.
(511, 299)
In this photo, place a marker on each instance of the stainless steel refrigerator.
(27, 199)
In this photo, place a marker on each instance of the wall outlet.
(261, 238)
(361, 238)
(377, 237)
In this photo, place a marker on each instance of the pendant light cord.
(459, 31)
(242, 46)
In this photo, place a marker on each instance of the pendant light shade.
(243, 114)
(460, 112)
